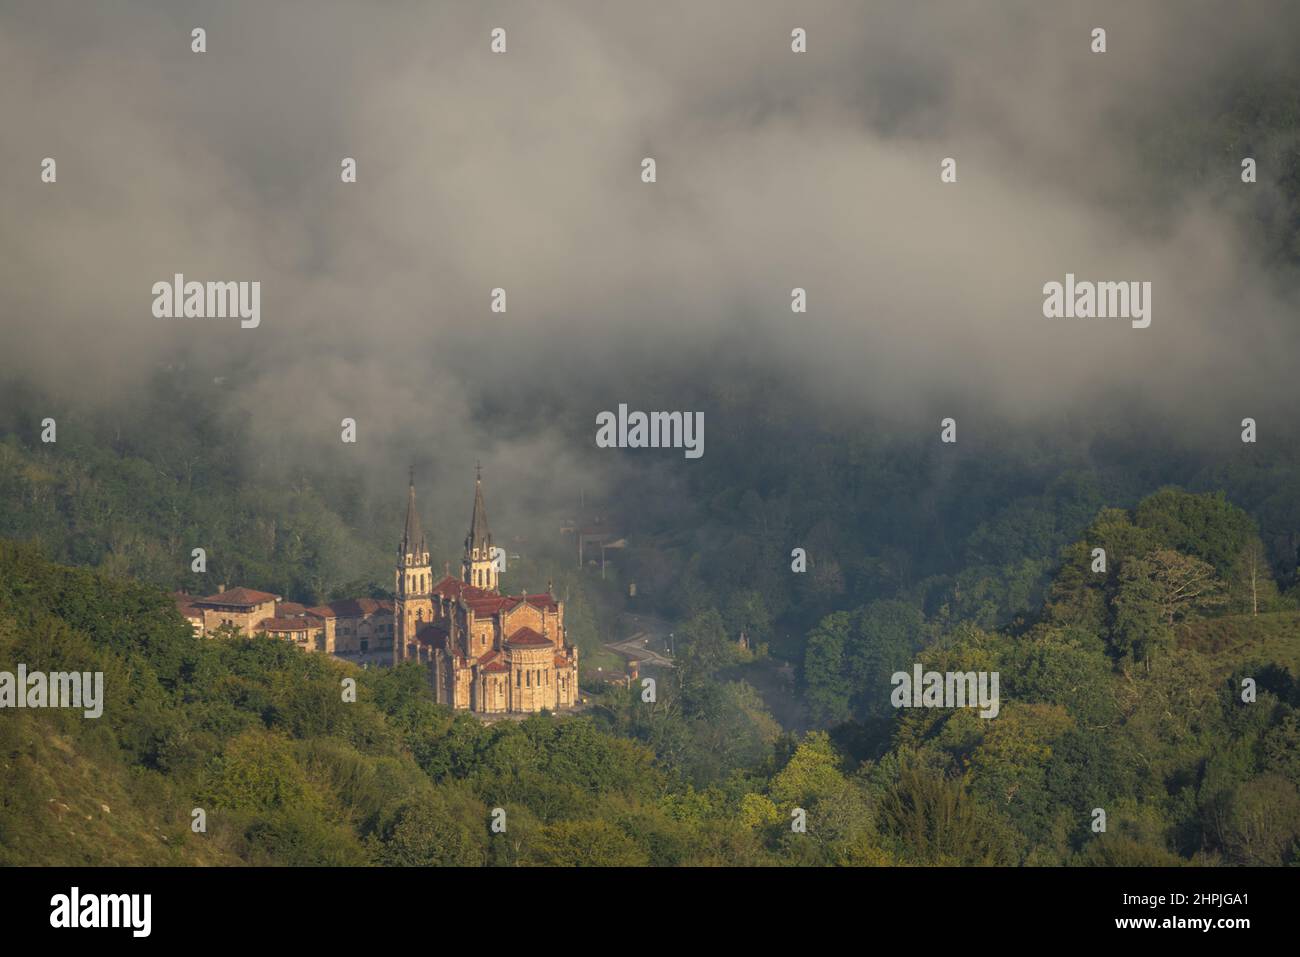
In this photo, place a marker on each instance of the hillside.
(1103, 706)
(1271, 636)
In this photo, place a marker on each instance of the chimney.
(221, 589)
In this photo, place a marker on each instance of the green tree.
(1138, 626)
(811, 773)
(930, 819)
(1185, 585)
(426, 835)
(1207, 527)
(825, 669)
(585, 844)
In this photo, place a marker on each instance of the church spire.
(412, 583)
(480, 536)
(479, 567)
(413, 536)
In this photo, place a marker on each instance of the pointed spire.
(413, 536)
(480, 536)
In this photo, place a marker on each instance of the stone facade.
(486, 652)
(355, 625)
(241, 608)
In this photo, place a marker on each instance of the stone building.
(304, 631)
(242, 608)
(355, 625)
(352, 626)
(486, 652)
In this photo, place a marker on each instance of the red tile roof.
(450, 587)
(487, 606)
(240, 597)
(291, 609)
(446, 586)
(540, 601)
(185, 605)
(526, 636)
(288, 624)
(354, 608)
(494, 667)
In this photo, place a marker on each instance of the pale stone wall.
(533, 681)
(566, 686)
(522, 615)
(461, 688)
(413, 605)
(479, 570)
(346, 633)
(484, 634)
(245, 619)
(330, 638)
(309, 636)
(491, 693)
(532, 678)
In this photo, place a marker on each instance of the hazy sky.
(521, 170)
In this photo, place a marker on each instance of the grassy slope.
(1230, 640)
(64, 806)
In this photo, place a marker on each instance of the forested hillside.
(1121, 697)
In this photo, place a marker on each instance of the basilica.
(486, 652)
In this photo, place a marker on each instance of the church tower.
(413, 605)
(478, 568)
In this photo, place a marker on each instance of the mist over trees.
(1098, 536)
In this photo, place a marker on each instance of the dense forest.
(1121, 690)
(1124, 694)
